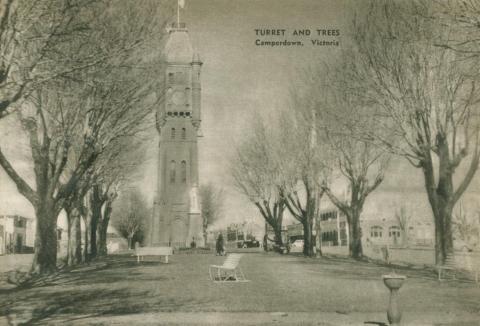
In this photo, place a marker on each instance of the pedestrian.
(220, 246)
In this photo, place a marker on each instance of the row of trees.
(77, 77)
(404, 84)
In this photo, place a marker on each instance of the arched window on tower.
(184, 133)
(172, 171)
(184, 171)
(172, 134)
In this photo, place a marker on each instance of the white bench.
(229, 271)
(458, 262)
(141, 252)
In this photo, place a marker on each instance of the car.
(251, 244)
(280, 249)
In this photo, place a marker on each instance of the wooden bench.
(459, 262)
(229, 271)
(141, 252)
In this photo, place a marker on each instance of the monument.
(176, 218)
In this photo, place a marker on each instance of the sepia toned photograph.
(239, 162)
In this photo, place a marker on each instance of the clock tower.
(176, 218)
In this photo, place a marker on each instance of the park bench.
(229, 271)
(141, 252)
(456, 263)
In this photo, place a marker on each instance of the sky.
(238, 79)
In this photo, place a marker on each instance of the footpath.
(275, 318)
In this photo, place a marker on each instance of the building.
(376, 232)
(389, 232)
(13, 233)
(333, 228)
(177, 220)
(294, 231)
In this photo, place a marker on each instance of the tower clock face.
(178, 98)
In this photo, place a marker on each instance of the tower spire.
(180, 4)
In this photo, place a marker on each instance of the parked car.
(248, 244)
(280, 249)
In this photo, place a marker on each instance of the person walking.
(220, 246)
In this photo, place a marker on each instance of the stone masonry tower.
(176, 219)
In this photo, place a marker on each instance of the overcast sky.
(238, 78)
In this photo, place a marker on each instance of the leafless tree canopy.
(341, 122)
(87, 74)
(130, 214)
(255, 168)
(212, 204)
(425, 93)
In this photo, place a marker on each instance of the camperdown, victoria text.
(282, 37)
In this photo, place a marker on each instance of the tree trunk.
(443, 231)
(74, 238)
(441, 198)
(96, 203)
(45, 258)
(308, 242)
(274, 218)
(78, 240)
(86, 241)
(93, 233)
(318, 238)
(355, 245)
(130, 242)
(278, 235)
(102, 239)
(102, 230)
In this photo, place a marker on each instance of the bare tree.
(88, 110)
(403, 218)
(359, 162)
(303, 162)
(51, 130)
(115, 169)
(45, 40)
(75, 210)
(212, 201)
(463, 21)
(425, 96)
(30, 32)
(256, 174)
(130, 215)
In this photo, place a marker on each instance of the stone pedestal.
(394, 282)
